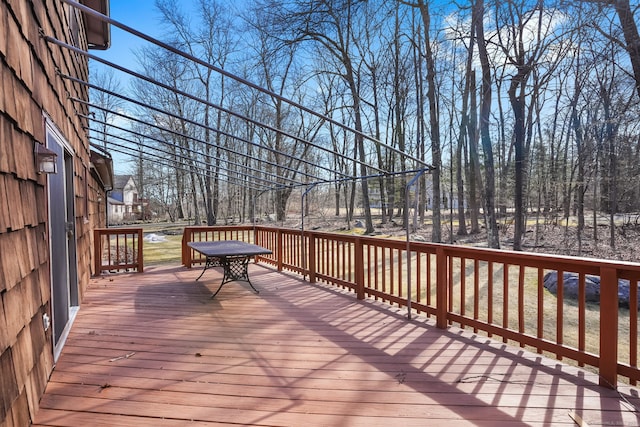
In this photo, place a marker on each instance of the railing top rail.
(536, 259)
(557, 262)
(192, 228)
(129, 230)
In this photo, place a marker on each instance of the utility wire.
(89, 11)
(179, 134)
(193, 122)
(208, 103)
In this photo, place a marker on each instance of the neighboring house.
(115, 211)
(124, 204)
(46, 219)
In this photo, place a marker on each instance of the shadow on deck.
(153, 349)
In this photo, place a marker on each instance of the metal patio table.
(232, 255)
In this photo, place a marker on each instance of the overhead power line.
(206, 102)
(193, 122)
(179, 134)
(104, 18)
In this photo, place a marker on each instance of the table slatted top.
(228, 248)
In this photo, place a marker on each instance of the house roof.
(120, 181)
(113, 201)
(98, 31)
(102, 163)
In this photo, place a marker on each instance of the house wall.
(130, 193)
(116, 213)
(30, 86)
(129, 208)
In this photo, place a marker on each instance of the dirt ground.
(541, 237)
(559, 240)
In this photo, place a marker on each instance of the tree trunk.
(366, 204)
(474, 178)
(516, 97)
(462, 220)
(610, 132)
(436, 233)
(493, 239)
(580, 190)
(337, 199)
(464, 135)
(282, 197)
(194, 198)
(631, 37)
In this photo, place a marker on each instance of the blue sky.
(143, 16)
(138, 14)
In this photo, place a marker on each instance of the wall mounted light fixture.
(45, 159)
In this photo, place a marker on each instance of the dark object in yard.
(591, 287)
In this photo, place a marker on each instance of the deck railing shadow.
(300, 347)
(393, 358)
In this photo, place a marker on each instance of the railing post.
(311, 262)
(280, 238)
(608, 327)
(441, 288)
(140, 253)
(186, 252)
(359, 266)
(97, 252)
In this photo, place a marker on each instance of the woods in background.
(525, 109)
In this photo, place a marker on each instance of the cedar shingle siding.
(29, 89)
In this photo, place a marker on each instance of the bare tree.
(329, 24)
(211, 40)
(466, 136)
(525, 37)
(493, 239)
(171, 70)
(434, 120)
(275, 67)
(631, 41)
(105, 79)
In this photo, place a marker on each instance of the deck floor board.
(154, 349)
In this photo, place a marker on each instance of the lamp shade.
(46, 160)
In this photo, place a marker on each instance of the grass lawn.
(168, 249)
(163, 252)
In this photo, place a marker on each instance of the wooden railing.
(494, 292)
(117, 249)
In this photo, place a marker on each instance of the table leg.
(209, 263)
(236, 269)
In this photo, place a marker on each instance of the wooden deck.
(153, 349)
